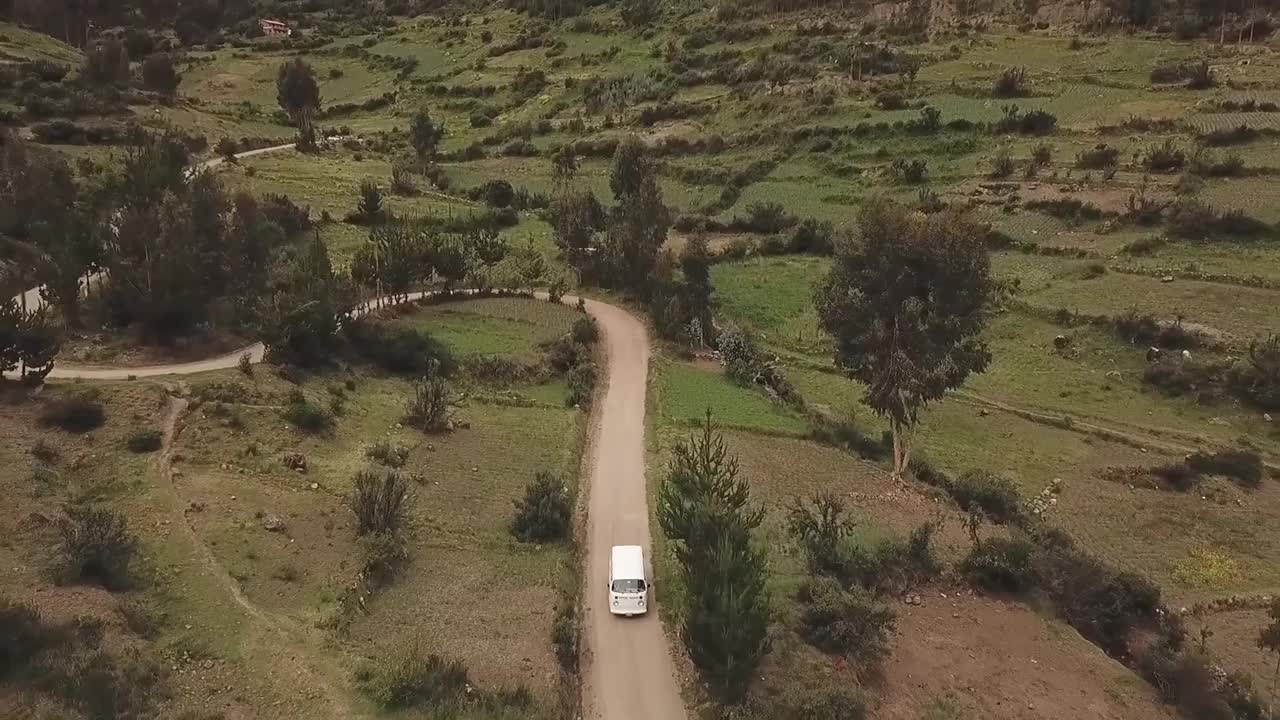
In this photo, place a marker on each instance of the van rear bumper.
(627, 605)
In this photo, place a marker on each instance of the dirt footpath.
(627, 668)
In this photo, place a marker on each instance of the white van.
(627, 585)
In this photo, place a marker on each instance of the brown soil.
(966, 656)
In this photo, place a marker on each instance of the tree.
(640, 13)
(424, 134)
(299, 96)
(704, 509)
(395, 257)
(531, 266)
(369, 207)
(251, 238)
(160, 75)
(106, 64)
(639, 221)
(451, 260)
(1269, 641)
(301, 319)
(905, 302)
(576, 218)
(10, 326)
(50, 224)
(564, 166)
(38, 342)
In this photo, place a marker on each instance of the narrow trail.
(293, 653)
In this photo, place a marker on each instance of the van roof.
(627, 562)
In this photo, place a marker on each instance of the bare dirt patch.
(979, 657)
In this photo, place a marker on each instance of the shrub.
(73, 413)
(1101, 157)
(1165, 157)
(96, 547)
(1243, 466)
(1011, 82)
(23, 636)
(428, 407)
(1002, 565)
(1036, 122)
(398, 350)
(581, 381)
(45, 451)
(890, 101)
(1144, 246)
(996, 496)
(1206, 164)
(909, 171)
(388, 454)
(1042, 154)
(382, 555)
(410, 679)
(1002, 164)
(543, 515)
(765, 218)
(585, 331)
(1179, 476)
(145, 441)
(380, 501)
(1072, 210)
(1231, 136)
(822, 531)
(564, 637)
(845, 622)
(306, 415)
(1200, 76)
(245, 365)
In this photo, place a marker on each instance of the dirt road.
(627, 668)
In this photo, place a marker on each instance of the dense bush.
(73, 413)
(1035, 122)
(890, 100)
(412, 679)
(396, 349)
(1242, 466)
(428, 408)
(1141, 329)
(1165, 157)
(381, 555)
(996, 496)
(1002, 565)
(909, 171)
(306, 415)
(96, 547)
(845, 622)
(1072, 210)
(585, 331)
(581, 382)
(1100, 157)
(1238, 135)
(746, 364)
(380, 501)
(764, 218)
(543, 515)
(145, 441)
(1011, 82)
(387, 453)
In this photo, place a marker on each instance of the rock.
(1166, 279)
(315, 486)
(465, 424)
(1062, 342)
(1114, 374)
(984, 412)
(295, 461)
(273, 523)
(1266, 417)
(1186, 354)
(1154, 354)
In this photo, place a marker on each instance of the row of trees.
(403, 253)
(170, 249)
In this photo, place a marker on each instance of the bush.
(380, 502)
(45, 451)
(765, 218)
(1011, 82)
(564, 637)
(96, 547)
(1101, 157)
(1238, 135)
(306, 415)
(382, 555)
(73, 413)
(145, 441)
(890, 101)
(1002, 164)
(996, 496)
(1165, 157)
(411, 679)
(543, 515)
(428, 408)
(581, 381)
(909, 171)
(398, 350)
(585, 331)
(388, 454)
(1002, 565)
(1243, 466)
(845, 622)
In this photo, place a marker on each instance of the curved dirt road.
(627, 668)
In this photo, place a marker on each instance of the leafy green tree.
(451, 260)
(424, 134)
(38, 342)
(906, 301)
(704, 509)
(49, 224)
(301, 319)
(160, 75)
(299, 95)
(370, 207)
(251, 238)
(531, 266)
(576, 218)
(639, 221)
(396, 257)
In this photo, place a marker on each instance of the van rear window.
(628, 586)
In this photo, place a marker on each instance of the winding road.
(627, 668)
